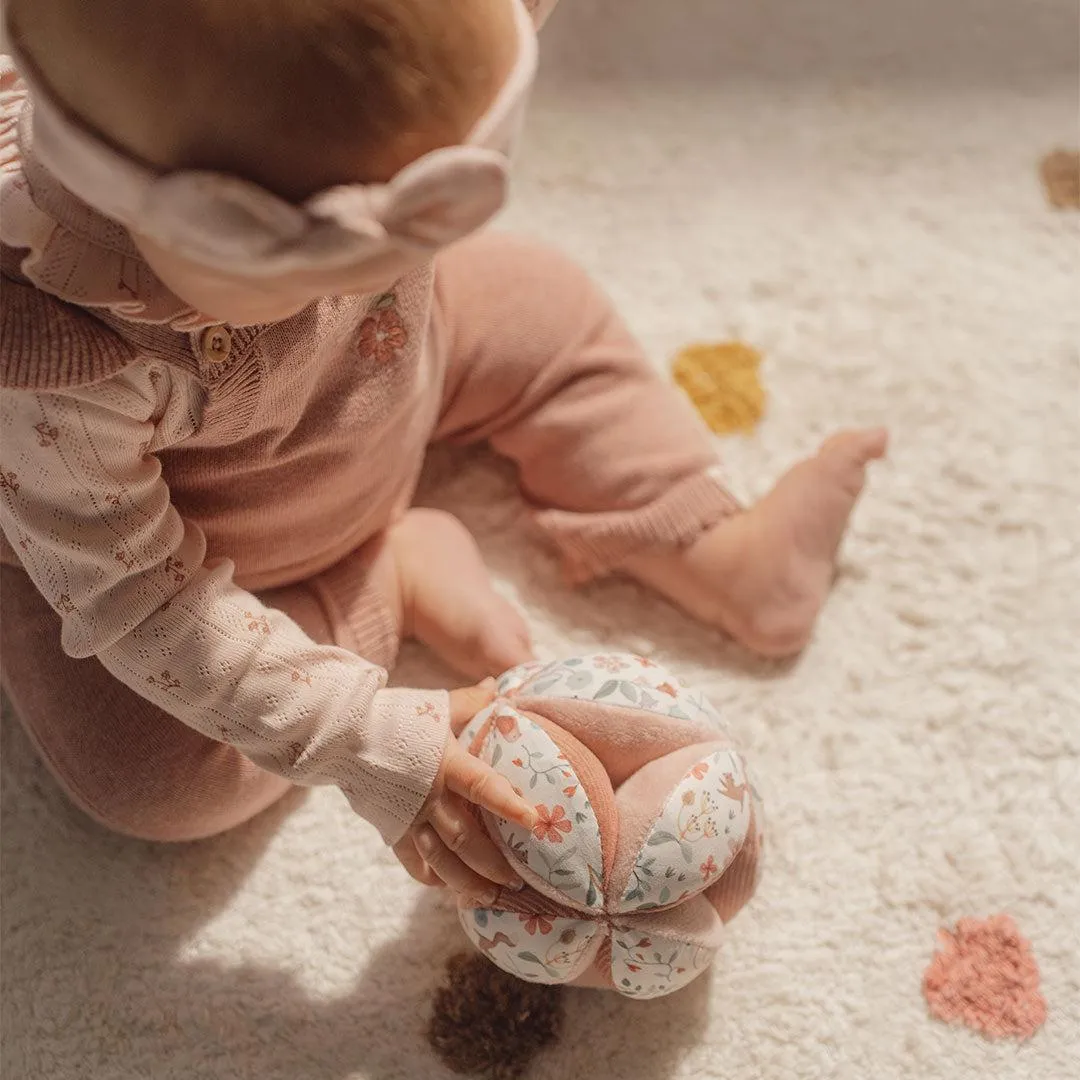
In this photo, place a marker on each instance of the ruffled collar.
(72, 251)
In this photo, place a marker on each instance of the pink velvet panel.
(623, 739)
(695, 921)
(736, 885)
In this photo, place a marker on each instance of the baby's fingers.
(459, 830)
(468, 701)
(409, 857)
(482, 785)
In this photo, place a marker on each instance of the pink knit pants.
(537, 363)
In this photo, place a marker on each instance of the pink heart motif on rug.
(985, 976)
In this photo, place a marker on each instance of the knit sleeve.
(83, 501)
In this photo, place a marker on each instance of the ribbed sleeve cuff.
(410, 730)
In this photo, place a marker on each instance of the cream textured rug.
(852, 188)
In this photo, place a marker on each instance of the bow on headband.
(239, 226)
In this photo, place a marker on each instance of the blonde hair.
(296, 95)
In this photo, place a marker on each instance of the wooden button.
(216, 344)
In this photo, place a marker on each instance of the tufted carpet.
(852, 188)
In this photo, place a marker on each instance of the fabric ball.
(649, 834)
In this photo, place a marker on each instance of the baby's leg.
(623, 470)
(431, 563)
(421, 578)
(774, 563)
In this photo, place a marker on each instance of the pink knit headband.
(240, 228)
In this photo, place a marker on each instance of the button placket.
(215, 345)
(230, 371)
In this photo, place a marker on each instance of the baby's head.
(296, 96)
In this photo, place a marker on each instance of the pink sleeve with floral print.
(83, 501)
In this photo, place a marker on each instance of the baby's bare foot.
(763, 575)
(447, 599)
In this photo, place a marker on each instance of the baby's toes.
(845, 457)
(874, 443)
(856, 447)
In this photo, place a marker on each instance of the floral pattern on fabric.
(619, 678)
(382, 336)
(532, 947)
(513, 679)
(648, 966)
(564, 847)
(701, 829)
(703, 821)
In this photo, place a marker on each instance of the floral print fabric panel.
(701, 829)
(648, 965)
(515, 677)
(563, 849)
(533, 947)
(619, 679)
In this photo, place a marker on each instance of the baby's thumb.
(468, 701)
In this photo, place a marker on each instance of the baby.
(242, 294)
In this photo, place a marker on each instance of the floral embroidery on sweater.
(382, 335)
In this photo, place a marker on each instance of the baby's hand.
(446, 845)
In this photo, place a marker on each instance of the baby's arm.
(85, 504)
